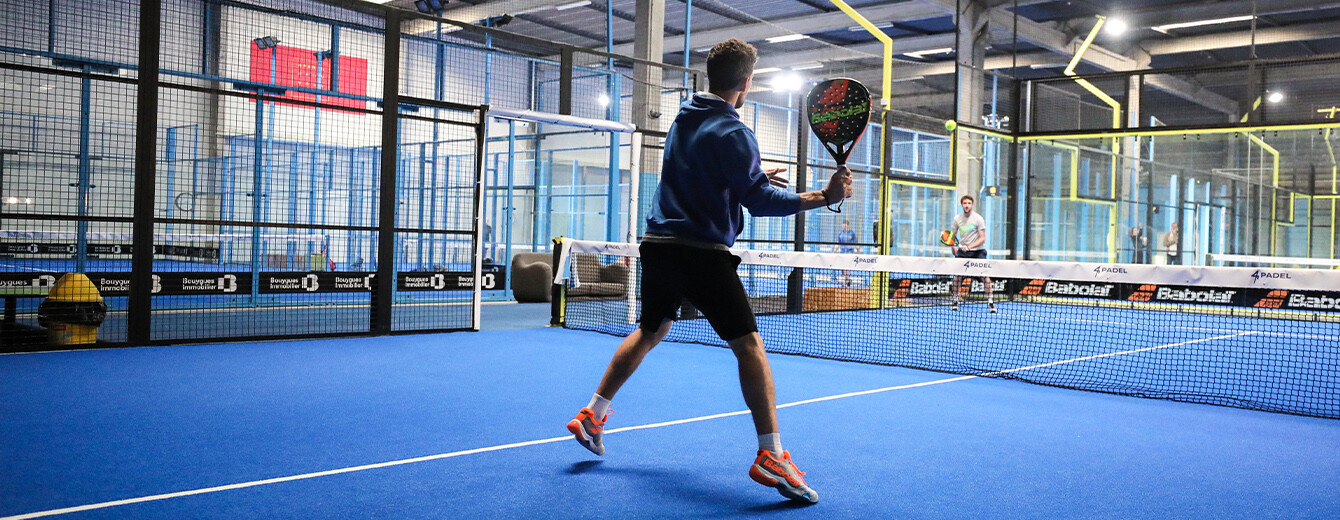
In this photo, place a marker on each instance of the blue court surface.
(471, 425)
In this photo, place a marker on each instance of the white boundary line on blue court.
(277, 480)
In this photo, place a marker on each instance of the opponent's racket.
(947, 238)
(839, 111)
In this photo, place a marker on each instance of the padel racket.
(839, 111)
(947, 238)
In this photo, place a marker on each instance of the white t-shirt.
(970, 227)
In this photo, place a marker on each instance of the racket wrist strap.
(829, 203)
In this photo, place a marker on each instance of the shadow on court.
(733, 501)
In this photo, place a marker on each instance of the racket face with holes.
(839, 112)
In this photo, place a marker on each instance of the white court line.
(201, 491)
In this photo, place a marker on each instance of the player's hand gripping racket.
(839, 111)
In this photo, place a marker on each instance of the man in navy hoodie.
(711, 172)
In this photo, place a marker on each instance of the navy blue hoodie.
(712, 169)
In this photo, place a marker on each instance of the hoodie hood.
(711, 172)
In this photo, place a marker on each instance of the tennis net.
(1256, 338)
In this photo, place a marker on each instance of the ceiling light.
(786, 38)
(573, 5)
(789, 82)
(922, 54)
(858, 28)
(429, 6)
(604, 100)
(1275, 97)
(808, 67)
(497, 21)
(12, 200)
(1115, 26)
(765, 70)
(1198, 23)
(266, 42)
(377, 1)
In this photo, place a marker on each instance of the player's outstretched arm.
(839, 187)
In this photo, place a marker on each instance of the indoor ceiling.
(1161, 34)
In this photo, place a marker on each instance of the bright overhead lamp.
(1275, 97)
(789, 82)
(808, 67)
(1198, 23)
(377, 1)
(1115, 26)
(573, 5)
(604, 100)
(858, 28)
(497, 21)
(765, 70)
(266, 42)
(429, 6)
(922, 54)
(786, 38)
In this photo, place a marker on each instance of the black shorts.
(673, 273)
(973, 253)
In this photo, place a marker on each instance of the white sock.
(771, 442)
(598, 406)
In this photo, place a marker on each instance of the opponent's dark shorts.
(672, 273)
(973, 253)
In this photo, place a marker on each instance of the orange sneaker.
(588, 430)
(783, 475)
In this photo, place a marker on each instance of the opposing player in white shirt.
(970, 242)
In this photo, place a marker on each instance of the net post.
(1012, 196)
(556, 291)
(634, 176)
(795, 286)
(885, 220)
(477, 252)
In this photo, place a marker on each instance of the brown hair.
(729, 63)
(969, 197)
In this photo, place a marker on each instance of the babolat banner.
(1062, 288)
(491, 277)
(1188, 294)
(33, 248)
(1131, 292)
(940, 286)
(1184, 294)
(321, 282)
(1293, 300)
